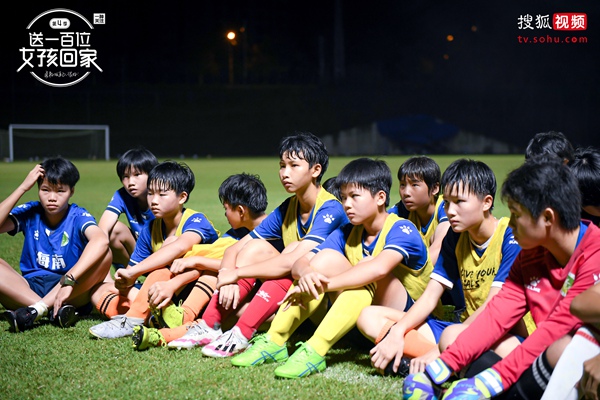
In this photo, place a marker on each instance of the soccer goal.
(39, 141)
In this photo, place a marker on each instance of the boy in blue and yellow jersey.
(421, 202)
(474, 261)
(244, 198)
(301, 222)
(377, 257)
(171, 234)
(65, 255)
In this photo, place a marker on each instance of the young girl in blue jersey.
(65, 254)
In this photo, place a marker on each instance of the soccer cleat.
(227, 344)
(303, 362)
(261, 350)
(21, 319)
(170, 316)
(117, 327)
(403, 368)
(143, 338)
(485, 385)
(420, 387)
(198, 334)
(66, 317)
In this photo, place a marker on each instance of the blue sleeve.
(143, 246)
(328, 218)
(83, 219)
(199, 224)
(270, 227)
(116, 203)
(510, 250)
(21, 214)
(442, 217)
(445, 270)
(336, 240)
(404, 237)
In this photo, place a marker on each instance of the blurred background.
(384, 77)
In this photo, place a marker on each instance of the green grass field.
(49, 362)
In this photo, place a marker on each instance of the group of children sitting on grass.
(460, 303)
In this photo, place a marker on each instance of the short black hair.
(59, 170)
(331, 185)
(308, 147)
(551, 142)
(171, 175)
(139, 159)
(244, 190)
(545, 182)
(367, 173)
(586, 168)
(475, 176)
(422, 168)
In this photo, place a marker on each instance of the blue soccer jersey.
(403, 238)
(49, 250)
(319, 225)
(122, 202)
(400, 210)
(196, 222)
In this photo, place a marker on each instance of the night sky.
(398, 61)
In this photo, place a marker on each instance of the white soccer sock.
(41, 308)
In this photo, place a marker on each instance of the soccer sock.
(416, 345)
(216, 313)
(385, 330)
(342, 317)
(112, 304)
(263, 305)
(286, 322)
(569, 368)
(171, 334)
(41, 308)
(198, 297)
(140, 308)
(481, 363)
(533, 381)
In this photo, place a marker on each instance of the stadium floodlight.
(37, 141)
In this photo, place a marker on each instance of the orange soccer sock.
(140, 306)
(199, 296)
(112, 304)
(416, 345)
(171, 334)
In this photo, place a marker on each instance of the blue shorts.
(43, 284)
(437, 326)
(409, 302)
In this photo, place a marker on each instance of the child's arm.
(107, 222)
(125, 277)
(199, 263)
(392, 346)
(93, 253)
(436, 240)
(161, 293)
(586, 306)
(11, 201)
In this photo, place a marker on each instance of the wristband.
(68, 280)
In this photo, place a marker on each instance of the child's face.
(464, 209)
(54, 198)
(233, 216)
(135, 182)
(359, 204)
(414, 193)
(294, 172)
(165, 202)
(528, 231)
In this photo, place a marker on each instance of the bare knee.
(255, 251)
(449, 335)
(556, 349)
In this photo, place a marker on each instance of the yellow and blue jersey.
(428, 229)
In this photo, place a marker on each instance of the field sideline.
(48, 362)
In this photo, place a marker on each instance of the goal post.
(37, 141)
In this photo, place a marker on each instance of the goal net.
(39, 141)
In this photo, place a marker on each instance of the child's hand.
(589, 383)
(418, 364)
(229, 296)
(160, 294)
(63, 294)
(124, 279)
(389, 349)
(226, 277)
(181, 264)
(313, 283)
(294, 297)
(32, 177)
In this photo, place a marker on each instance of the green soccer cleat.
(303, 362)
(261, 350)
(143, 338)
(170, 316)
